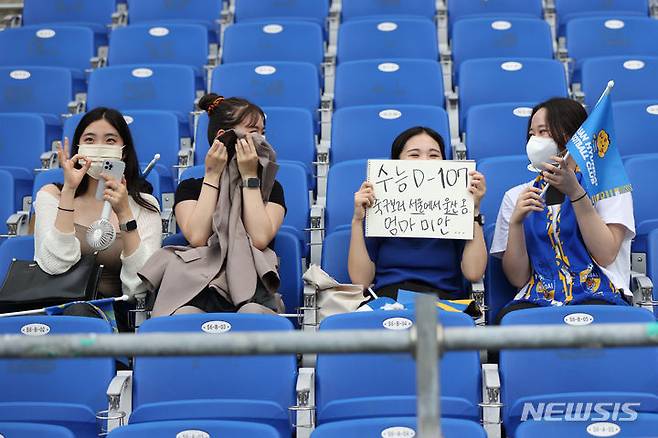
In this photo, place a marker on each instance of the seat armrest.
(119, 397)
(491, 405)
(303, 413)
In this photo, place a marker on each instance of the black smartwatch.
(251, 183)
(128, 226)
(479, 219)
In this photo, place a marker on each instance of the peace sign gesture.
(72, 176)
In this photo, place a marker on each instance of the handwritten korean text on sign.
(420, 198)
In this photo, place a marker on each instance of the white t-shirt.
(615, 210)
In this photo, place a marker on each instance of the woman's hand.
(245, 151)
(562, 178)
(364, 198)
(477, 188)
(72, 176)
(216, 159)
(116, 194)
(529, 200)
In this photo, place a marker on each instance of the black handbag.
(28, 287)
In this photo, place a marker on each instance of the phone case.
(111, 167)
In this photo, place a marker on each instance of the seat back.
(162, 11)
(622, 425)
(636, 124)
(224, 429)
(389, 82)
(9, 430)
(652, 262)
(367, 132)
(342, 181)
(450, 428)
(293, 178)
(498, 292)
(502, 173)
(98, 13)
(639, 170)
(335, 249)
(493, 8)
(19, 248)
(316, 11)
(23, 140)
(383, 385)
(353, 9)
(45, 90)
(288, 249)
(570, 9)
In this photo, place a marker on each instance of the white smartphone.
(114, 168)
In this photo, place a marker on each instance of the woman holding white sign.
(562, 251)
(417, 264)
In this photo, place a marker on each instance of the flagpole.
(606, 92)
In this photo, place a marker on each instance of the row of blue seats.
(260, 389)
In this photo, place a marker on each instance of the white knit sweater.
(56, 252)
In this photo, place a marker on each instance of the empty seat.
(275, 10)
(288, 249)
(498, 8)
(402, 426)
(502, 173)
(571, 379)
(269, 41)
(640, 170)
(69, 47)
(634, 78)
(387, 38)
(364, 8)
(23, 140)
(248, 388)
(343, 180)
(363, 132)
(33, 430)
(498, 80)
(498, 292)
(335, 249)
(224, 429)
(205, 12)
(15, 185)
(389, 82)
(497, 38)
(386, 385)
(605, 36)
(636, 126)
(155, 87)
(43, 90)
(497, 129)
(64, 392)
(96, 15)
(285, 84)
(293, 178)
(19, 248)
(570, 9)
(621, 425)
(652, 262)
(181, 44)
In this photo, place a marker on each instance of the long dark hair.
(563, 117)
(135, 183)
(228, 113)
(404, 136)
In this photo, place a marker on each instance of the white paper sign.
(420, 198)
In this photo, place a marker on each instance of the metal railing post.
(427, 368)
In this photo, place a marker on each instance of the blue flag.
(103, 306)
(594, 148)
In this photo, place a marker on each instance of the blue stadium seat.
(51, 176)
(292, 176)
(498, 291)
(604, 36)
(193, 172)
(22, 140)
(63, 392)
(96, 15)
(224, 429)
(271, 41)
(352, 9)
(15, 184)
(493, 8)
(497, 129)
(570, 378)
(290, 131)
(385, 384)
(640, 171)
(298, 10)
(247, 388)
(389, 82)
(636, 126)
(335, 249)
(19, 248)
(343, 180)
(69, 47)
(497, 38)
(143, 88)
(288, 249)
(285, 84)
(33, 430)
(502, 173)
(387, 38)
(652, 263)
(498, 80)
(43, 90)
(363, 132)
(205, 12)
(569, 9)
(403, 426)
(634, 78)
(627, 426)
(180, 44)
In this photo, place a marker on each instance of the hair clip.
(215, 103)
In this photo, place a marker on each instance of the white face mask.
(540, 150)
(97, 153)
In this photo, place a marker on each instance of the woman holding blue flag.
(557, 246)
